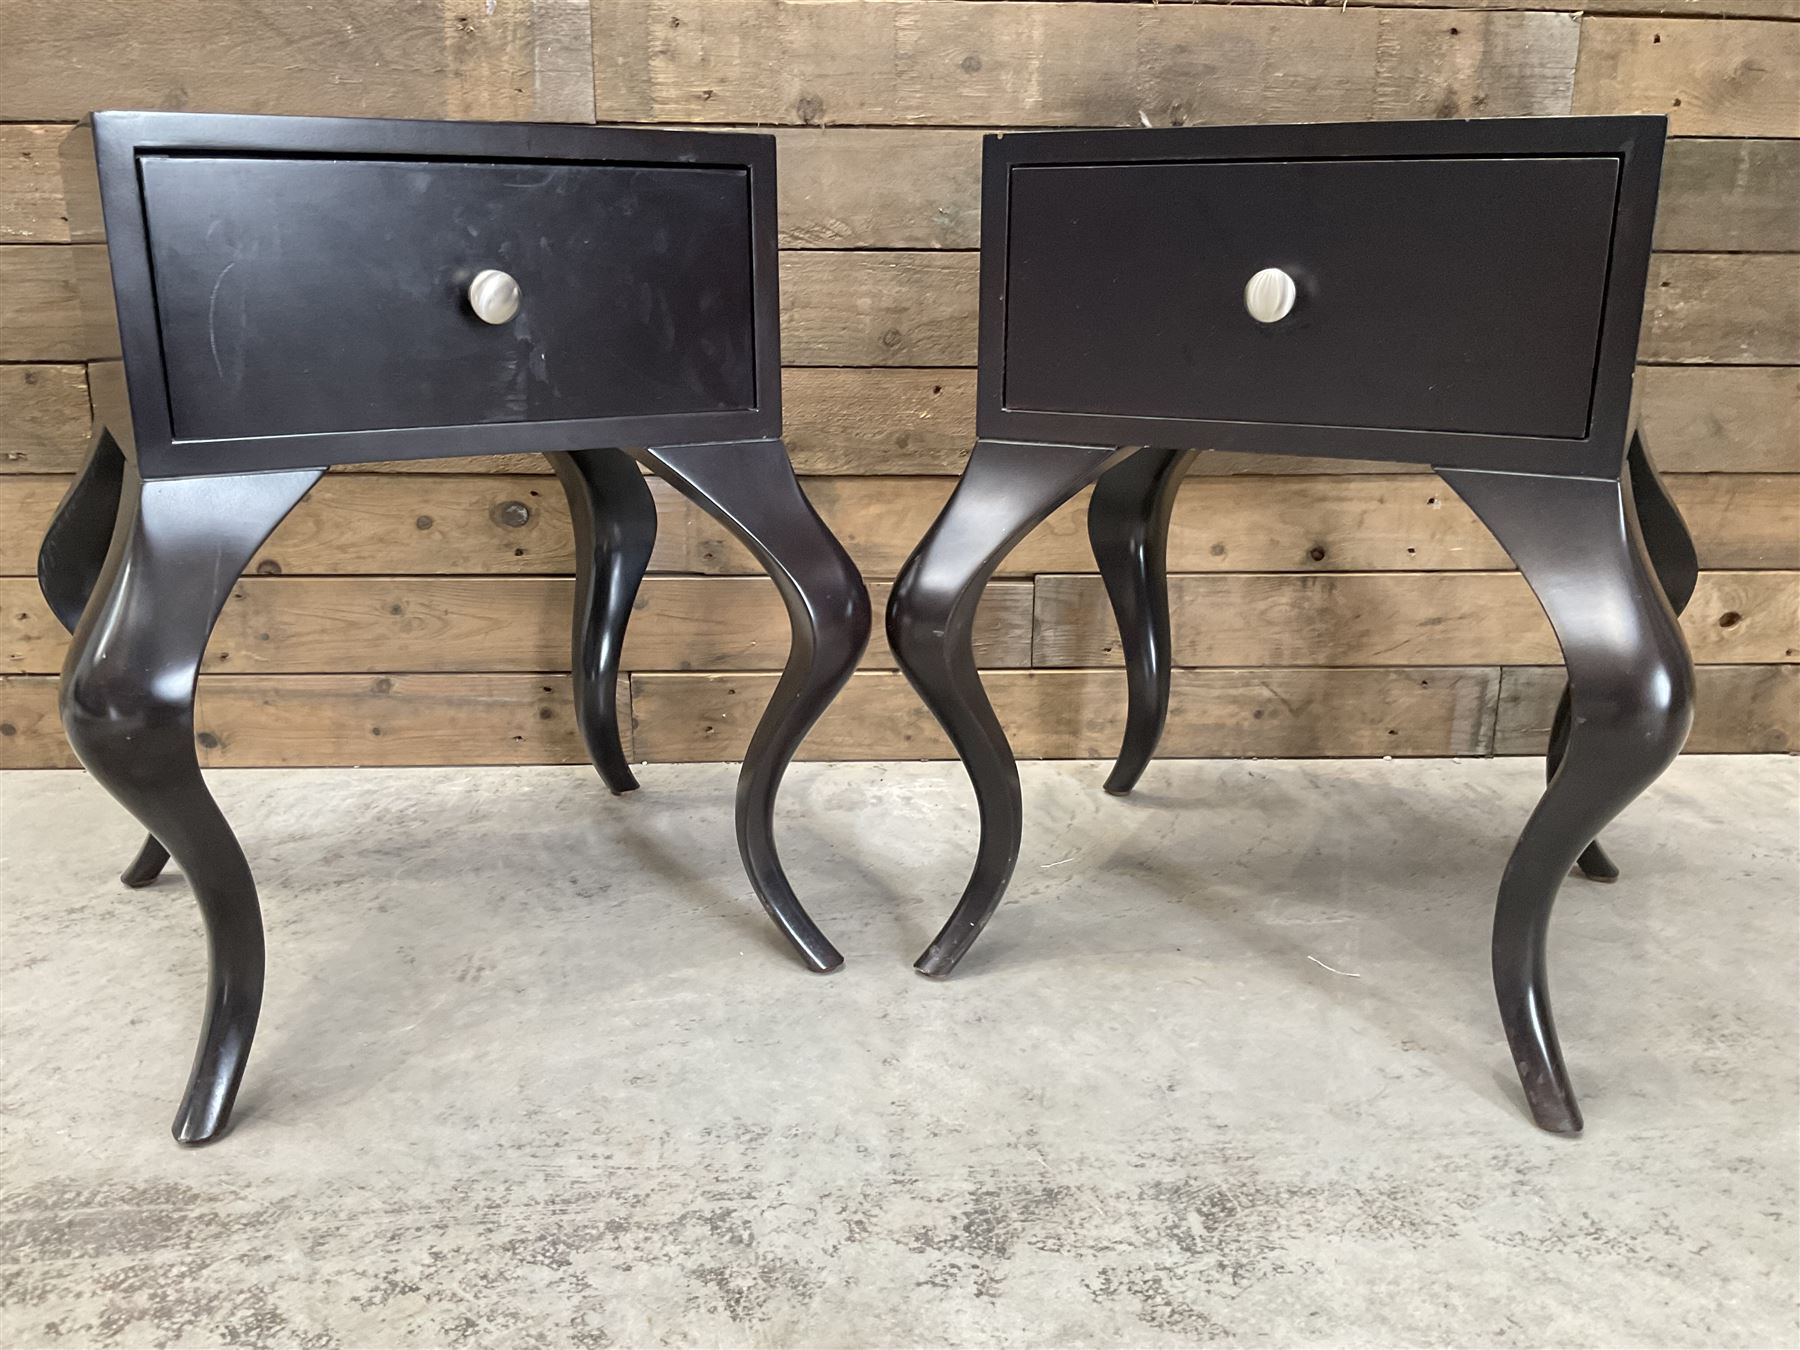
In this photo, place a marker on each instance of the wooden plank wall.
(417, 615)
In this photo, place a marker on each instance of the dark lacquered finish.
(614, 517)
(1112, 275)
(752, 489)
(1438, 319)
(1006, 490)
(1128, 527)
(289, 303)
(290, 293)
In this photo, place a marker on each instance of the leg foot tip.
(1564, 1126)
(935, 965)
(1596, 866)
(136, 880)
(199, 1132)
(1556, 1116)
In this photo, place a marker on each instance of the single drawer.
(304, 295)
(1442, 294)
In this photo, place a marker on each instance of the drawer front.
(1450, 295)
(300, 296)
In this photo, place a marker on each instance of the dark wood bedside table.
(293, 293)
(1461, 294)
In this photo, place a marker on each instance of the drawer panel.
(300, 295)
(1445, 294)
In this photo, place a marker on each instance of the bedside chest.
(1460, 294)
(292, 293)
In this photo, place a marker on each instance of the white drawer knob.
(1269, 295)
(494, 296)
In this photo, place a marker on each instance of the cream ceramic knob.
(494, 296)
(1270, 295)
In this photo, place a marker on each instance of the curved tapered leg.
(615, 530)
(1579, 543)
(127, 703)
(1006, 490)
(1677, 567)
(750, 487)
(1128, 526)
(69, 563)
(74, 549)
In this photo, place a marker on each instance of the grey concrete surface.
(535, 1071)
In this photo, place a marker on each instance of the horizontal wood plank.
(946, 62)
(1730, 196)
(1685, 9)
(1718, 78)
(1723, 309)
(889, 187)
(31, 186)
(302, 721)
(1395, 618)
(405, 524)
(525, 59)
(1080, 714)
(337, 625)
(1737, 710)
(1715, 419)
(40, 301)
(43, 418)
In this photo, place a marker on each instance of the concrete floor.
(534, 1069)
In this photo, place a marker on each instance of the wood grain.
(1719, 420)
(1686, 9)
(1723, 309)
(336, 625)
(1737, 710)
(300, 721)
(878, 309)
(31, 188)
(40, 301)
(1730, 196)
(1051, 714)
(306, 720)
(496, 524)
(1722, 77)
(950, 63)
(43, 418)
(527, 59)
(1395, 618)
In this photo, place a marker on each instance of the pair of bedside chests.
(289, 294)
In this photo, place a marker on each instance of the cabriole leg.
(1007, 489)
(751, 488)
(615, 530)
(1677, 567)
(128, 707)
(1128, 526)
(1579, 543)
(69, 563)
